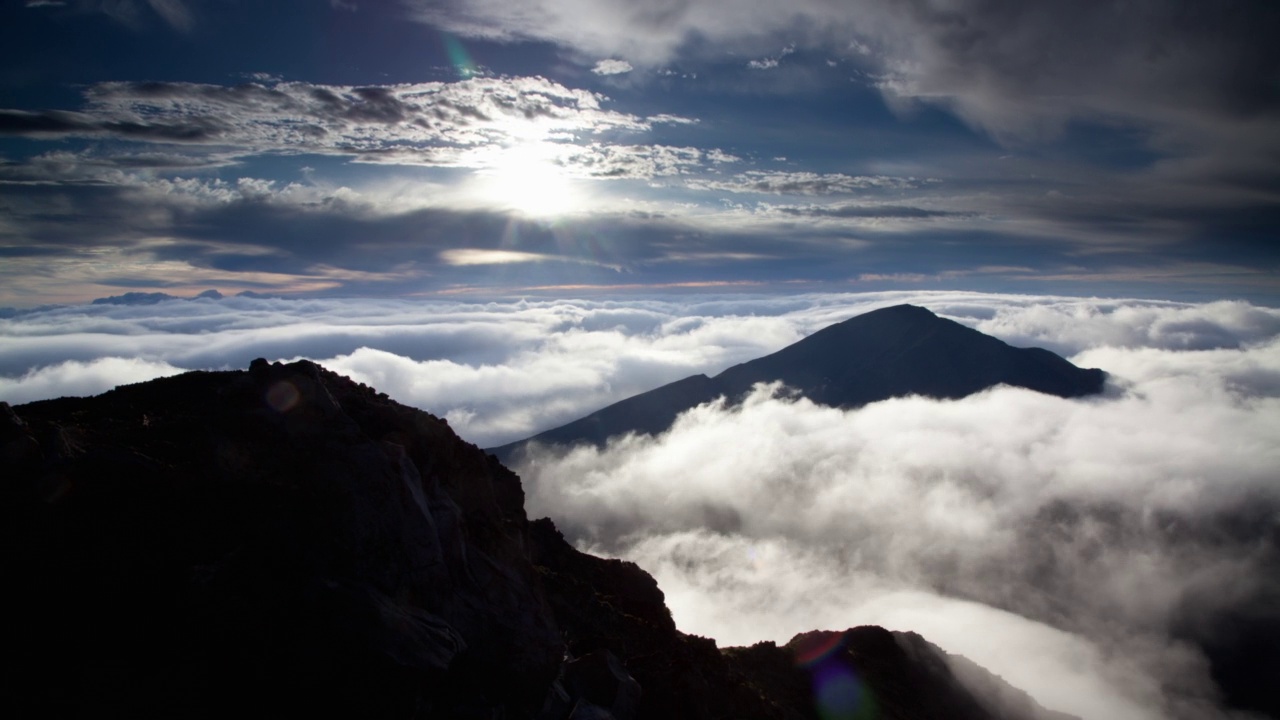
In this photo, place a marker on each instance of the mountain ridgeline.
(286, 542)
(891, 352)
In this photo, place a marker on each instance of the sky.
(427, 148)
(513, 214)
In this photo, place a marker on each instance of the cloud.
(62, 167)
(186, 234)
(605, 349)
(466, 256)
(805, 183)
(328, 119)
(612, 67)
(1002, 57)
(740, 589)
(1080, 549)
(1193, 84)
(175, 13)
(868, 212)
(770, 63)
(599, 350)
(489, 257)
(1087, 534)
(78, 379)
(500, 371)
(638, 161)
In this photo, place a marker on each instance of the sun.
(527, 179)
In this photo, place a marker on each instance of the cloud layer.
(1011, 69)
(1076, 541)
(730, 141)
(1085, 534)
(505, 370)
(435, 120)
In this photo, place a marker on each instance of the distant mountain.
(285, 542)
(154, 298)
(891, 352)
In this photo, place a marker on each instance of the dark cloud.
(1044, 63)
(52, 122)
(871, 212)
(1188, 80)
(1107, 167)
(303, 117)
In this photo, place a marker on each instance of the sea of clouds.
(1078, 548)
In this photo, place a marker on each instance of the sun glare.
(527, 179)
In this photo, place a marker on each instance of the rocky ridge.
(286, 541)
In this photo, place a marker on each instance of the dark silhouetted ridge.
(650, 412)
(285, 542)
(891, 352)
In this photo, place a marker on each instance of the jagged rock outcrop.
(200, 544)
(891, 352)
(861, 672)
(286, 542)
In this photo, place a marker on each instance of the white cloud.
(602, 350)
(1006, 70)
(81, 379)
(739, 589)
(295, 117)
(475, 256)
(1089, 524)
(599, 160)
(1058, 543)
(805, 183)
(464, 256)
(612, 67)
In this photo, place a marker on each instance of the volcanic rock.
(891, 352)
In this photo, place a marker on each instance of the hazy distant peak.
(891, 352)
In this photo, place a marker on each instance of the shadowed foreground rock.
(284, 541)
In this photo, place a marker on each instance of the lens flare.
(282, 396)
(838, 692)
(459, 58)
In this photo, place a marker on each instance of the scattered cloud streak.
(296, 117)
(805, 183)
(612, 67)
(1000, 65)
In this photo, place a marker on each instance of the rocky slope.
(286, 542)
(891, 352)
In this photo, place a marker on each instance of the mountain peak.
(889, 352)
(906, 309)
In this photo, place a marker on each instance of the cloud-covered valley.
(1103, 538)
(1085, 550)
(514, 214)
